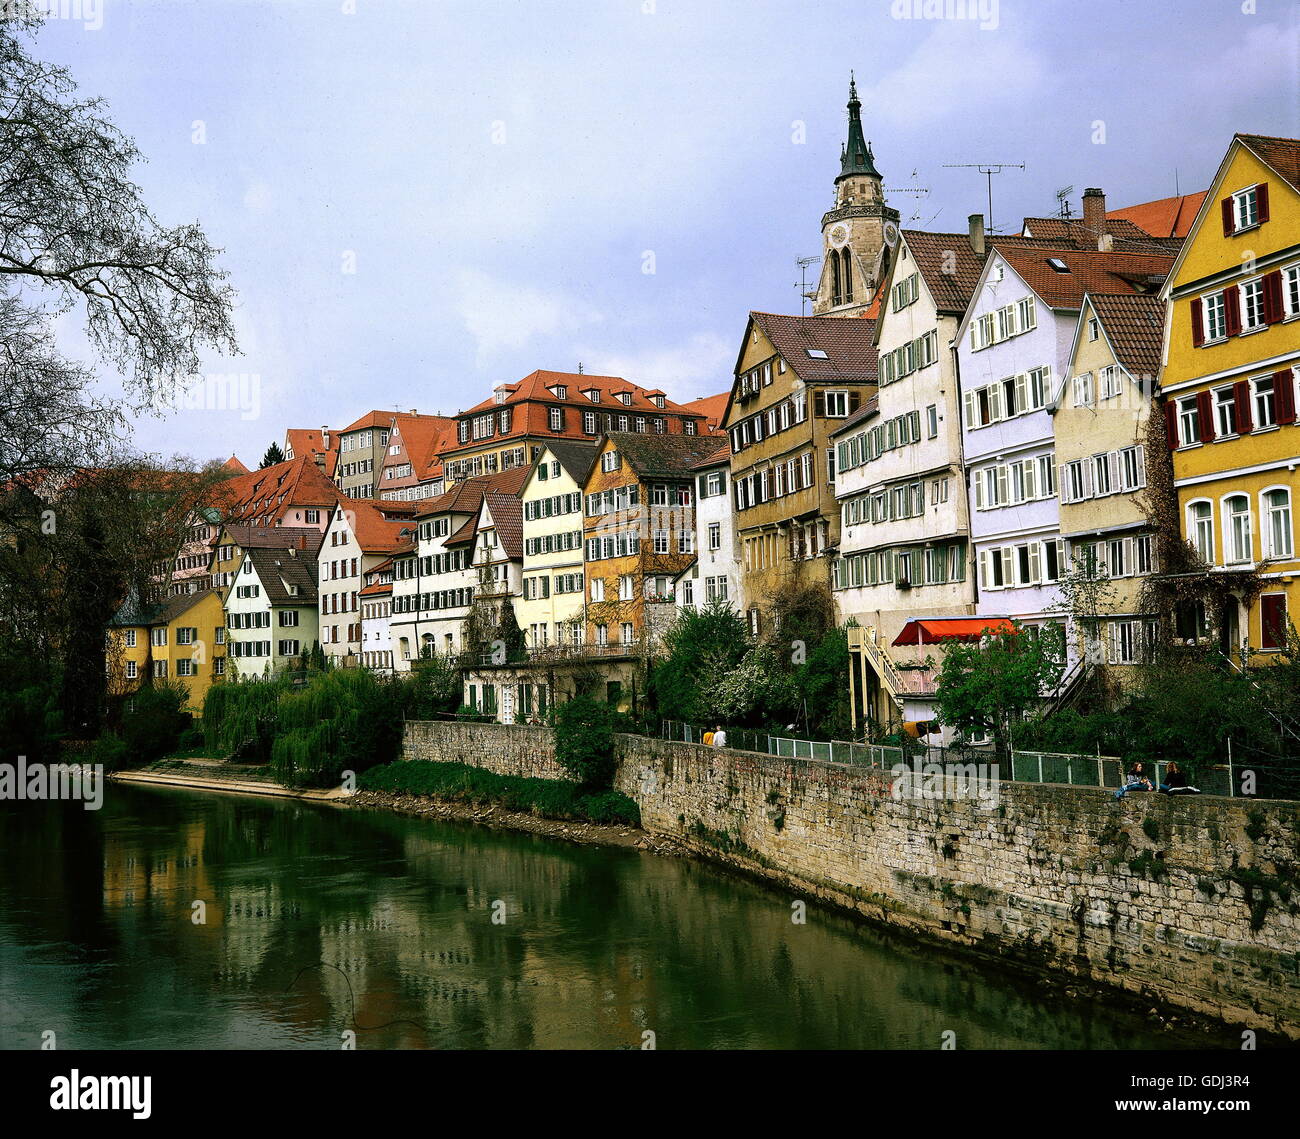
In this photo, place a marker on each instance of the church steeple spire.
(856, 157)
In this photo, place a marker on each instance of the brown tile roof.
(720, 454)
(575, 457)
(536, 386)
(309, 441)
(132, 613)
(466, 533)
(948, 266)
(847, 342)
(305, 538)
(234, 465)
(1072, 232)
(508, 515)
(868, 409)
(278, 569)
(1135, 325)
(1086, 271)
(666, 455)
(1282, 154)
(421, 438)
(1165, 217)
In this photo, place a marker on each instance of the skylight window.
(1059, 265)
(818, 353)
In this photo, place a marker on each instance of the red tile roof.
(1165, 217)
(1086, 271)
(507, 514)
(309, 441)
(378, 526)
(260, 497)
(1073, 232)
(536, 386)
(1282, 154)
(420, 437)
(847, 342)
(712, 407)
(233, 464)
(1135, 327)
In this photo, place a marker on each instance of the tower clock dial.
(839, 235)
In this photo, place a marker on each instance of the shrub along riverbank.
(549, 798)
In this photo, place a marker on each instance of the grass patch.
(462, 783)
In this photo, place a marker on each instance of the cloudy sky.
(420, 200)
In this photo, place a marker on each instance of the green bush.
(584, 742)
(155, 721)
(459, 782)
(111, 750)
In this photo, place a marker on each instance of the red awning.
(932, 630)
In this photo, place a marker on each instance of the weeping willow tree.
(241, 718)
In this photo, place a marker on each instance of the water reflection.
(318, 920)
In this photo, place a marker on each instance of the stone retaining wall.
(1193, 902)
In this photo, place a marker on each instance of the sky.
(420, 200)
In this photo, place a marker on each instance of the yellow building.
(1100, 429)
(1232, 356)
(182, 638)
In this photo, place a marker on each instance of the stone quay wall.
(1190, 902)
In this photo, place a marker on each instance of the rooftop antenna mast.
(919, 191)
(805, 294)
(988, 169)
(1063, 201)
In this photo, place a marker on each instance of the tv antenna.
(1063, 201)
(988, 169)
(919, 191)
(805, 294)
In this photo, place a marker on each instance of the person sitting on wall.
(708, 739)
(1176, 781)
(1135, 780)
(719, 737)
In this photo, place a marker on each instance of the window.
(625, 634)
(597, 589)
(661, 542)
(158, 637)
(1083, 390)
(1109, 381)
(602, 634)
(131, 670)
(1189, 421)
(625, 587)
(1200, 526)
(1265, 401)
(555, 418)
(1216, 317)
(715, 535)
(1225, 412)
(1245, 209)
(1291, 291)
(1133, 474)
(932, 421)
(1094, 328)
(609, 461)
(1237, 527)
(1277, 523)
(1252, 305)
(837, 405)
(160, 669)
(130, 638)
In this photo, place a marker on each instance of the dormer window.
(593, 394)
(561, 392)
(659, 401)
(626, 397)
(499, 396)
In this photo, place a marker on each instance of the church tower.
(859, 233)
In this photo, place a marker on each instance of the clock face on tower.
(839, 235)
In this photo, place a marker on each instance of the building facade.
(715, 575)
(181, 638)
(271, 611)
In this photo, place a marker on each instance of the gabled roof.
(574, 456)
(305, 538)
(719, 456)
(132, 614)
(267, 492)
(278, 570)
(1280, 154)
(1084, 271)
(422, 437)
(869, 408)
(1165, 217)
(310, 441)
(712, 407)
(1074, 233)
(507, 515)
(1134, 325)
(233, 465)
(378, 526)
(537, 386)
(948, 266)
(846, 341)
(663, 455)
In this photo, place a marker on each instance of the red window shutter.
(1261, 202)
(1205, 416)
(1198, 323)
(1284, 396)
(1241, 400)
(1272, 620)
(1171, 426)
(1229, 225)
(1232, 311)
(1273, 297)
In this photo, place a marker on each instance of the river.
(320, 920)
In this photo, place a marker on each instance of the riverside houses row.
(969, 429)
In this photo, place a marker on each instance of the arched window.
(405, 645)
(837, 295)
(1277, 523)
(1236, 529)
(847, 259)
(1200, 529)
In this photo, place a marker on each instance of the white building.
(376, 612)
(715, 575)
(360, 535)
(271, 614)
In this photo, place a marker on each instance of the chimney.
(975, 227)
(1094, 213)
(320, 459)
(325, 438)
(414, 412)
(302, 541)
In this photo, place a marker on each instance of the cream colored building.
(1100, 428)
(550, 607)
